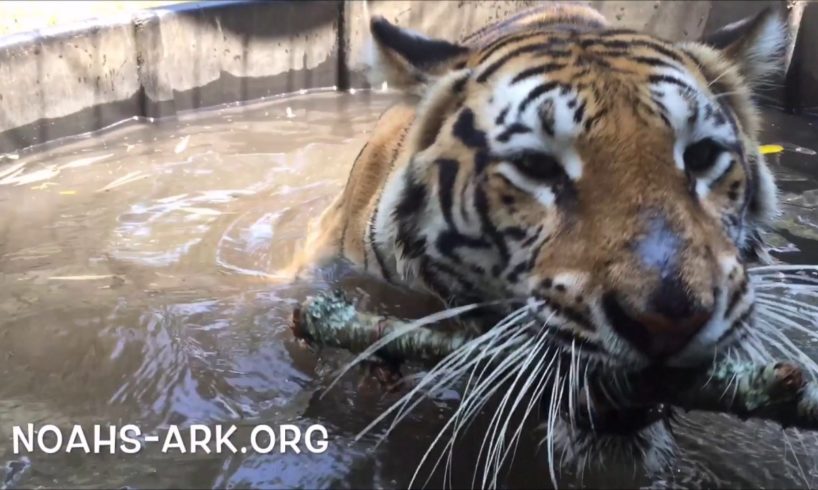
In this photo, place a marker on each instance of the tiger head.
(610, 177)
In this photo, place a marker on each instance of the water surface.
(132, 292)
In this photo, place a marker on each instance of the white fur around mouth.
(653, 447)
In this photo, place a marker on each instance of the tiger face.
(609, 177)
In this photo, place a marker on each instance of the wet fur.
(389, 221)
(432, 202)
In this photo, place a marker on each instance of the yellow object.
(67, 193)
(89, 277)
(769, 149)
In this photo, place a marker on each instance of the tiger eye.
(702, 155)
(540, 166)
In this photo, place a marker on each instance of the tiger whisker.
(765, 310)
(726, 94)
(732, 380)
(588, 397)
(782, 320)
(473, 406)
(572, 384)
(768, 284)
(774, 275)
(773, 300)
(782, 267)
(750, 347)
(789, 310)
(775, 344)
(490, 344)
(788, 443)
(469, 383)
(485, 367)
(440, 434)
(497, 443)
(801, 436)
(472, 401)
(792, 349)
(463, 357)
(456, 362)
(493, 458)
(553, 408)
(502, 368)
(475, 398)
(492, 436)
(715, 80)
(534, 399)
(410, 327)
(755, 350)
(735, 390)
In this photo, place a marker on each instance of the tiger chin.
(608, 178)
(651, 446)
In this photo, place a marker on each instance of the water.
(132, 292)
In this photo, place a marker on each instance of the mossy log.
(778, 392)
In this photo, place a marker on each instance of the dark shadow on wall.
(724, 12)
(271, 29)
(84, 66)
(276, 28)
(801, 88)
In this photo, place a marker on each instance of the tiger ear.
(757, 45)
(405, 59)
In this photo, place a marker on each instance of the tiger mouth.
(622, 397)
(621, 403)
(600, 412)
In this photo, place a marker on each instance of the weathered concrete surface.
(154, 63)
(16, 17)
(63, 72)
(670, 20)
(453, 19)
(62, 82)
(187, 53)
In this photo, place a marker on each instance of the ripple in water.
(160, 236)
(161, 232)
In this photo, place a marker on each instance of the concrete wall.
(154, 63)
(802, 79)
(62, 82)
(453, 19)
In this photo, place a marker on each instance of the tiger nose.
(663, 328)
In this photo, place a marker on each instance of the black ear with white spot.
(404, 58)
(756, 44)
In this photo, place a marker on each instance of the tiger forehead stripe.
(631, 43)
(553, 47)
(688, 110)
(503, 42)
(539, 70)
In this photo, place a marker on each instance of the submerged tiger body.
(610, 178)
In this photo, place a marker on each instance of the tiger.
(608, 178)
